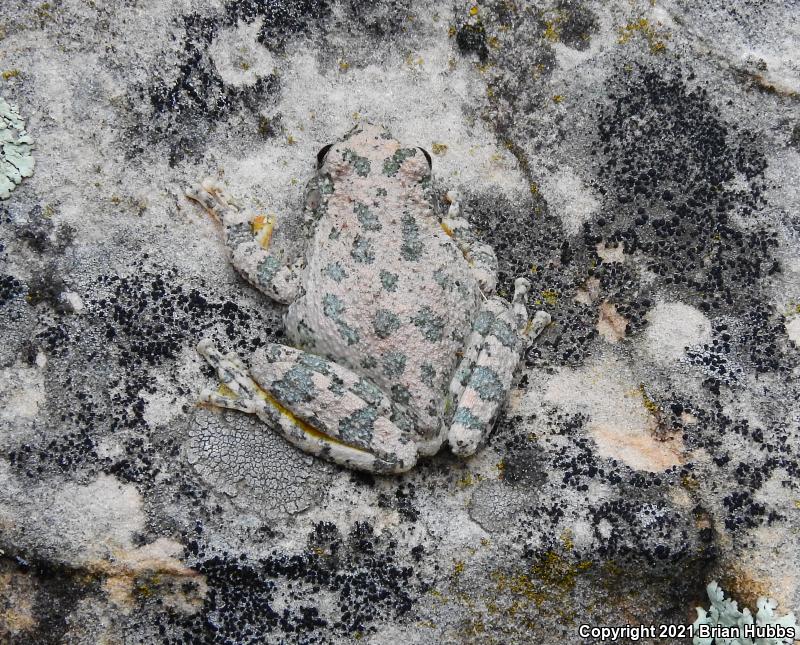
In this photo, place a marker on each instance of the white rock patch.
(620, 423)
(238, 56)
(672, 327)
(574, 202)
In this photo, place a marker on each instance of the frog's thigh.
(333, 412)
(487, 380)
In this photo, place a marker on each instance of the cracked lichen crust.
(257, 469)
(400, 342)
(16, 160)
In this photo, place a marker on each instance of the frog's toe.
(217, 400)
(464, 440)
(540, 320)
(207, 200)
(521, 287)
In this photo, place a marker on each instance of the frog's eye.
(321, 154)
(428, 157)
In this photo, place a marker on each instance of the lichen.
(725, 614)
(16, 160)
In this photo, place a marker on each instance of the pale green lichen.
(16, 160)
(730, 626)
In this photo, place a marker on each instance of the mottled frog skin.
(397, 341)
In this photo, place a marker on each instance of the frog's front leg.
(319, 406)
(481, 383)
(480, 257)
(249, 241)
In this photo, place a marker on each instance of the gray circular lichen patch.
(16, 160)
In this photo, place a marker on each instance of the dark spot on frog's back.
(411, 248)
(368, 220)
(385, 323)
(296, 386)
(359, 163)
(335, 271)
(362, 250)
(392, 164)
(389, 280)
(431, 325)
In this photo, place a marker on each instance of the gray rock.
(638, 162)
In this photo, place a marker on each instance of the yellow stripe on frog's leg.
(231, 371)
(315, 442)
(219, 401)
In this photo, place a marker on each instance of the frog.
(397, 340)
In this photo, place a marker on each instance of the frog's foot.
(237, 390)
(480, 257)
(319, 406)
(483, 379)
(216, 200)
(530, 329)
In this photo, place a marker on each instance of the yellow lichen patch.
(466, 480)
(558, 98)
(44, 12)
(744, 587)
(649, 405)
(446, 229)
(551, 31)
(262, 227)
(550, 297)
(519, 599)
(439, 148)
(655, 38)
(689, 482)
(225, 391)
(473, 10)
(413, 61)
(10, 73)
(17, 598)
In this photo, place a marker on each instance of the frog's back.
(388, 293)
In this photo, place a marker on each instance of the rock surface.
(638, 161)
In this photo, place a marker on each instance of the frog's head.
(370, 151)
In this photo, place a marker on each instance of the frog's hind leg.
(319, 406)
(249, 240)
(335, 413)
(484, 377)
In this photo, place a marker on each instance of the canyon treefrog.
(398, 342)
